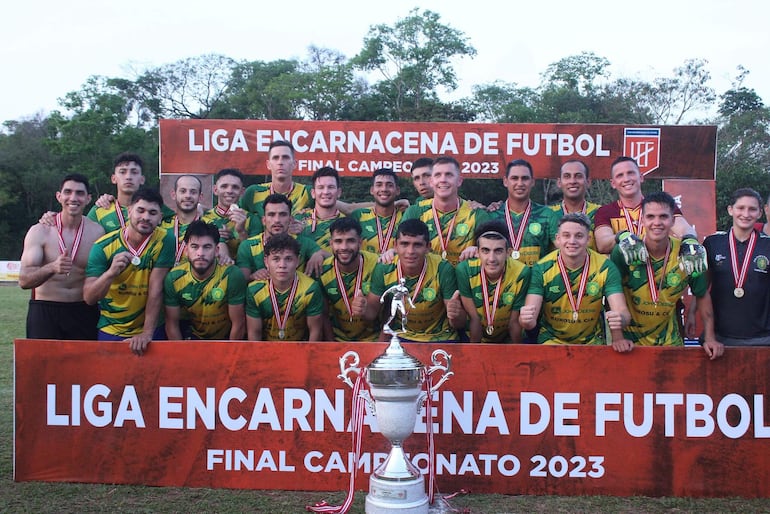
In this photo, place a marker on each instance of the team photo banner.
(358, 148)
(514, 419)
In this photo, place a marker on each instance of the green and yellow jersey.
(251, 252)
(590, 211)
(465, 219)
(557, 325)
(514, 285)
(318, 229)
(654, 323)
(374, 228)
(204, 303)
(345, 328)
(538, 235)
(427, 321)
(254, 196)
(220, 220)
(308, 301)
(122, 309)
(108, 218)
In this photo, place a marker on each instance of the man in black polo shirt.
(739, 264)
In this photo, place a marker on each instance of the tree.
(671, 99)
(414, 58)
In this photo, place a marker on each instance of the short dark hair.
(345, 224)
(280, 142)
(660, 197)
(519, 162)
(446, 159)
(228, 171)
(415, 228)
(75, 177)
(280, 242)
(200, 184)
(385, 172)
(745, 191)
(576, 217)
(578, 161)
(127, 157)
(326, 171)
(494, 229)
(277, 198)
(422, 162)
(200, 228)
(148, 194)
(623, 158)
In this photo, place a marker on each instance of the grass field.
(37, 497)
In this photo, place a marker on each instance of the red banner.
(514, 419)
(358, 148)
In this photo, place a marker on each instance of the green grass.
(37, 497)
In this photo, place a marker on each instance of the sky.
(51, 48)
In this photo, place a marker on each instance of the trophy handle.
(347, 368)
(437, 357)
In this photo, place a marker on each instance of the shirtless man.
(53, 266)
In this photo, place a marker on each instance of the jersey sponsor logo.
(643, 144)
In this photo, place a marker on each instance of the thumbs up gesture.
(454, 307)
(63, 263)
(358, 305)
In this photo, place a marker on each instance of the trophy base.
(403, 496)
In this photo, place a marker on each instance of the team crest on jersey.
(535, 228)
(637, 274)
(507, 298)
(643, 144)
(760, 261)
(593, 289)
(369, 229)
(673, 279)
(217, 294)
(429, 294)
(462, 230)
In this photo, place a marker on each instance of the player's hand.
(63, 263)
(48, 219)
(138, 344)
(633, 249)
(402, 204)
(622, 345)
(237, 216)
(527, 316)
(692, 257)
(454, 307)
(614, 320)
(469, 253)
(260, 274)
(104, 201)
(387, 256)
(296, 226)
(119, 263)
(492, 207)
(358, 305)
(714, 349)
(315, 264)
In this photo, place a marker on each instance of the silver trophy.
(396, 381)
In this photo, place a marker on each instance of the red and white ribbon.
(490, 311)
(574, 302)
(281, 319)
(75, 242)
(119, 214)
(440, 232)
(136, 252)
(341, 283)
(655, 291)
(633, 227)
(420, 280)
(517, 235)
(739, 276)
(384, 242)
(314, 218)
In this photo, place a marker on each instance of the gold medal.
(136, 260)
(574, 315)
(443, 254)
(490, 330)
(739, 292)
(281, 334)
(515, 254)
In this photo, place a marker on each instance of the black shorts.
(61, 320)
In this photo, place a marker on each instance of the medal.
(739, 276)
(136, 260)
(517, 236)
(281, 320)
(490, 330)
(356, 286)
(444, 243)
(281, 334)
(490, 309)
(633, 225)
(573, 301)
(655, 291)
(75, 243)
(384, 240)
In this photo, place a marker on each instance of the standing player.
(125, 274)
(345, 280)
(493, 287)
(531, 226)
(234, 223)
(437, 312)
(378, 223)
(739, 264)
(205, 294)
(566, 291)
(127, 177)
(187, 195)
(422, 169)
(653, 289)
(450, 219)
(574, 181)
(53, 265)
(288, 306)
(326, 191)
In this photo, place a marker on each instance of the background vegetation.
(397, 75)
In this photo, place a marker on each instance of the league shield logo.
(643, 144)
